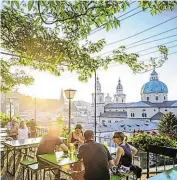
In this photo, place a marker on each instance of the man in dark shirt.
(96, 157)
(49, 142)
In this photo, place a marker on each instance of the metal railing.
(41, 131)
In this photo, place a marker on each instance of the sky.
(49, 86)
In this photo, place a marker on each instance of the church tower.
(99, 100)
(119, 97)
(108, 99)
(62, 99)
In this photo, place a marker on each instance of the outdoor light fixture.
(69, 93)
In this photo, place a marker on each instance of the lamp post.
(69, 93)
(35, 108)
(95, 106)
(10, 102)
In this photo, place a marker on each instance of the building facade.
(154, 103)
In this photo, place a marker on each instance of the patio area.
(154, 161)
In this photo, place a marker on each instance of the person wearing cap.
(12, 128)
(76, 137)
(96, 158)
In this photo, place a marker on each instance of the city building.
(153, 104)
(43, 110)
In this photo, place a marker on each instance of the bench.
(33, 167)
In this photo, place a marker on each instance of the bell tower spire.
(119, 97)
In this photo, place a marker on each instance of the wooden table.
(12, 146)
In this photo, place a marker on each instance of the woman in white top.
(22, 131)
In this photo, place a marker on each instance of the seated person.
(12, 128)
(32, 128)
(49, 142)
(96, 158)
(22, 131)
(124, 154)
(76, 137)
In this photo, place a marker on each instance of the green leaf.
(108, 27)
(30, 4)
(17, 4)
(37, 20)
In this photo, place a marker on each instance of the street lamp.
(69, 93)
(10, 102)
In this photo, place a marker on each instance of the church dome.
(154, 85)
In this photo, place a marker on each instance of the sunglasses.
(114, 137)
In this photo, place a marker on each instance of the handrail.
(163, 150)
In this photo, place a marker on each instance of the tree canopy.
(45, 35)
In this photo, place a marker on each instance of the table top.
(59, 159)
(25, 142)
(3, 129)
(170, 174)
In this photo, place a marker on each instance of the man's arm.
(61, 144)
(111, 163)
(81, 152)
(64, 147)
(110, 160)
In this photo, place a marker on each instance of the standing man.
(96, 158)
(12, 128)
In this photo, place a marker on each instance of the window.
(147, 98)
(109, 121)
(166, 110)
(100, 99)
(164, 97)
(122, 100)
(144, 109)
(132, 115)
(154, 110)
(156, 98)
(144, 115)
(103, 121)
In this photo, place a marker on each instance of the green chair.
(25, 163)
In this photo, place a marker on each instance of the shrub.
(142, 139)
(167, 124)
